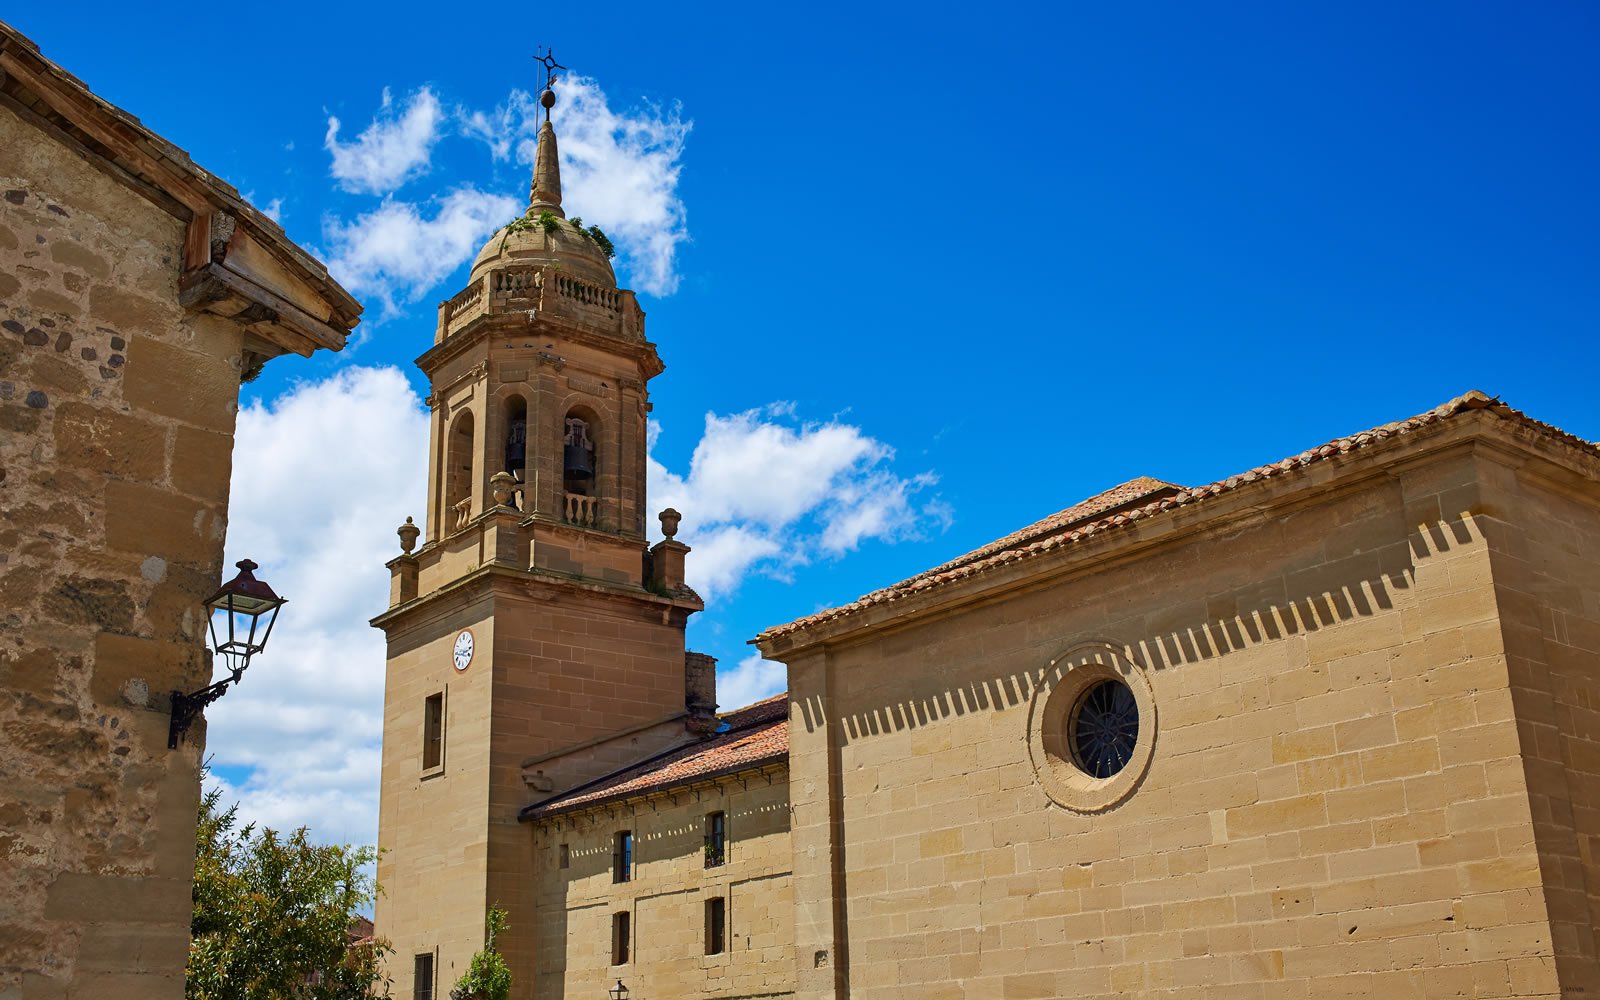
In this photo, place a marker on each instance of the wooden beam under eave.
(197, 242)
(90, 120)
(206, 288)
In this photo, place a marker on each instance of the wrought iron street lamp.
(620, 992)
(237, 613)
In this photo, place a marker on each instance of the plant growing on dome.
(520, 224)
(595, 235)
(548, 222)
(600, 239)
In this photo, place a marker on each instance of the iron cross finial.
(547, 98)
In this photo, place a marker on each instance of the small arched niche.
(516, 443)
(458, 471)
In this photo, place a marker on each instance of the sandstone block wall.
(116, 423)
(571, 667)
(1544, 538)
(433, 903)
(666, 898)
(554, 669)
(1337, 802)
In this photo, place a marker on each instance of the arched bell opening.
(458, 471)
(516, 443)
(580, 466)
(578, 458)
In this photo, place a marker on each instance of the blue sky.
(947, 269)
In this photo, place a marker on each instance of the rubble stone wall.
(116, 434)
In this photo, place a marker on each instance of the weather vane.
(547, 98)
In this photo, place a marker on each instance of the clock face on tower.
(463, 650)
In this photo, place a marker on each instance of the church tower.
(535, 640)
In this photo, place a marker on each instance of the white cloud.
(322, 477)
(393, 149)
(619, 169)
(396, 254)
(765, 492)
(325, 473)
(273, 210)
(752, 680)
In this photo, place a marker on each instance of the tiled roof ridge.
(758, 735)
(1084, 510)
(1050, 540)
(758, 711)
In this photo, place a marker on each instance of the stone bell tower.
(535, 639)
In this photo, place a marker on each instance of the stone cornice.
(1101, 545)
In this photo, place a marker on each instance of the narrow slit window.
(622, 857)
(620, 940)
(716, 848)
(563, 856)
(716, 926)
(422, 978)
(433, 732)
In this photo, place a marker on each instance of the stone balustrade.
(581, 510)
(547, 291)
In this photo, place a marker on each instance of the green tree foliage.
(487, 976)
(272, 915)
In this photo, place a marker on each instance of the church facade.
(1328, 727)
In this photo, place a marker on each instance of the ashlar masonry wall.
(116, 432)
(1335, 804)
(1543, 531)
(666, 899)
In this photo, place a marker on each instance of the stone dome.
(537, 244)
(576, 253)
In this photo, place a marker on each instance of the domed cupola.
(544, 236)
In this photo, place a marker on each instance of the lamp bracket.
(186, 706)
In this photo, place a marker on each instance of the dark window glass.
(622, 857)
(433, 731)
(619, 939)
(716, 839)
(1104, 729)
(422, 985)
(716, 926)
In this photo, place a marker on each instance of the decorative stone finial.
(408, 533)
(669, 522)
(504, 486)
(546, 193)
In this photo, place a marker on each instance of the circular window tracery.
(1104, 728)
(1092, 727)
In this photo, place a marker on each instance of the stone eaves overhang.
(237, 262)
(1035, 561)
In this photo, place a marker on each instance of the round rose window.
(1104, 729)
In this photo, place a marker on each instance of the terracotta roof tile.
(1066, 528)
(1132, 493)
(757, 734)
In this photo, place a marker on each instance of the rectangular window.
(422, 984)
(564, 856)
(433, 731)
(716, 926)
(622, 857)
(619, 939)
(716, 839)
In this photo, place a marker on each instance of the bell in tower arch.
(517, 447)
(577, 453)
